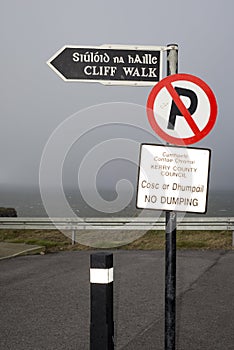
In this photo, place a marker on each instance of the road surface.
(44, 301)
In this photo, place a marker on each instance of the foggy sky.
(34, 100)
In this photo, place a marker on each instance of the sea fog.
(28, 203)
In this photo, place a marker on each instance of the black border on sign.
(208, 177)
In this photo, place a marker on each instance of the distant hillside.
(8, 212)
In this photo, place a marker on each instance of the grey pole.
(170, 248)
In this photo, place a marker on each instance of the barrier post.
(73, 237)
(101, 300)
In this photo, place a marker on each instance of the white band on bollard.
(101, 276)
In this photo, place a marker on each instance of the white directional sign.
(109, 64)
(182, 109)
(173, 178)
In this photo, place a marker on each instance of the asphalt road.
(44, 301)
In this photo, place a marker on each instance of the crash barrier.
(117, 223)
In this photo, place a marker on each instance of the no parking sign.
(182, 109)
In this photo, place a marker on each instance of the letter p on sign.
(182, 109)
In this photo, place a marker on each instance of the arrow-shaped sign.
(109, 64)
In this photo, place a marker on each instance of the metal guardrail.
(138, 223)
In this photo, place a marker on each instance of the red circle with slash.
(170, 84)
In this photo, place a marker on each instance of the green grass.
(44, 243)
(51, 240)
(185, 240)
(54, 240)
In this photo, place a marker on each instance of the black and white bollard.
(101, 300)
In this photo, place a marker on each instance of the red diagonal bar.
(182, 108)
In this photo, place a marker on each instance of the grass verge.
(153, 240)
(54, 240)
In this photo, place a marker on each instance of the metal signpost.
(179, 124)
(182, 110)
(170, 246)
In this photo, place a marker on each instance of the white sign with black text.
(173, 178)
